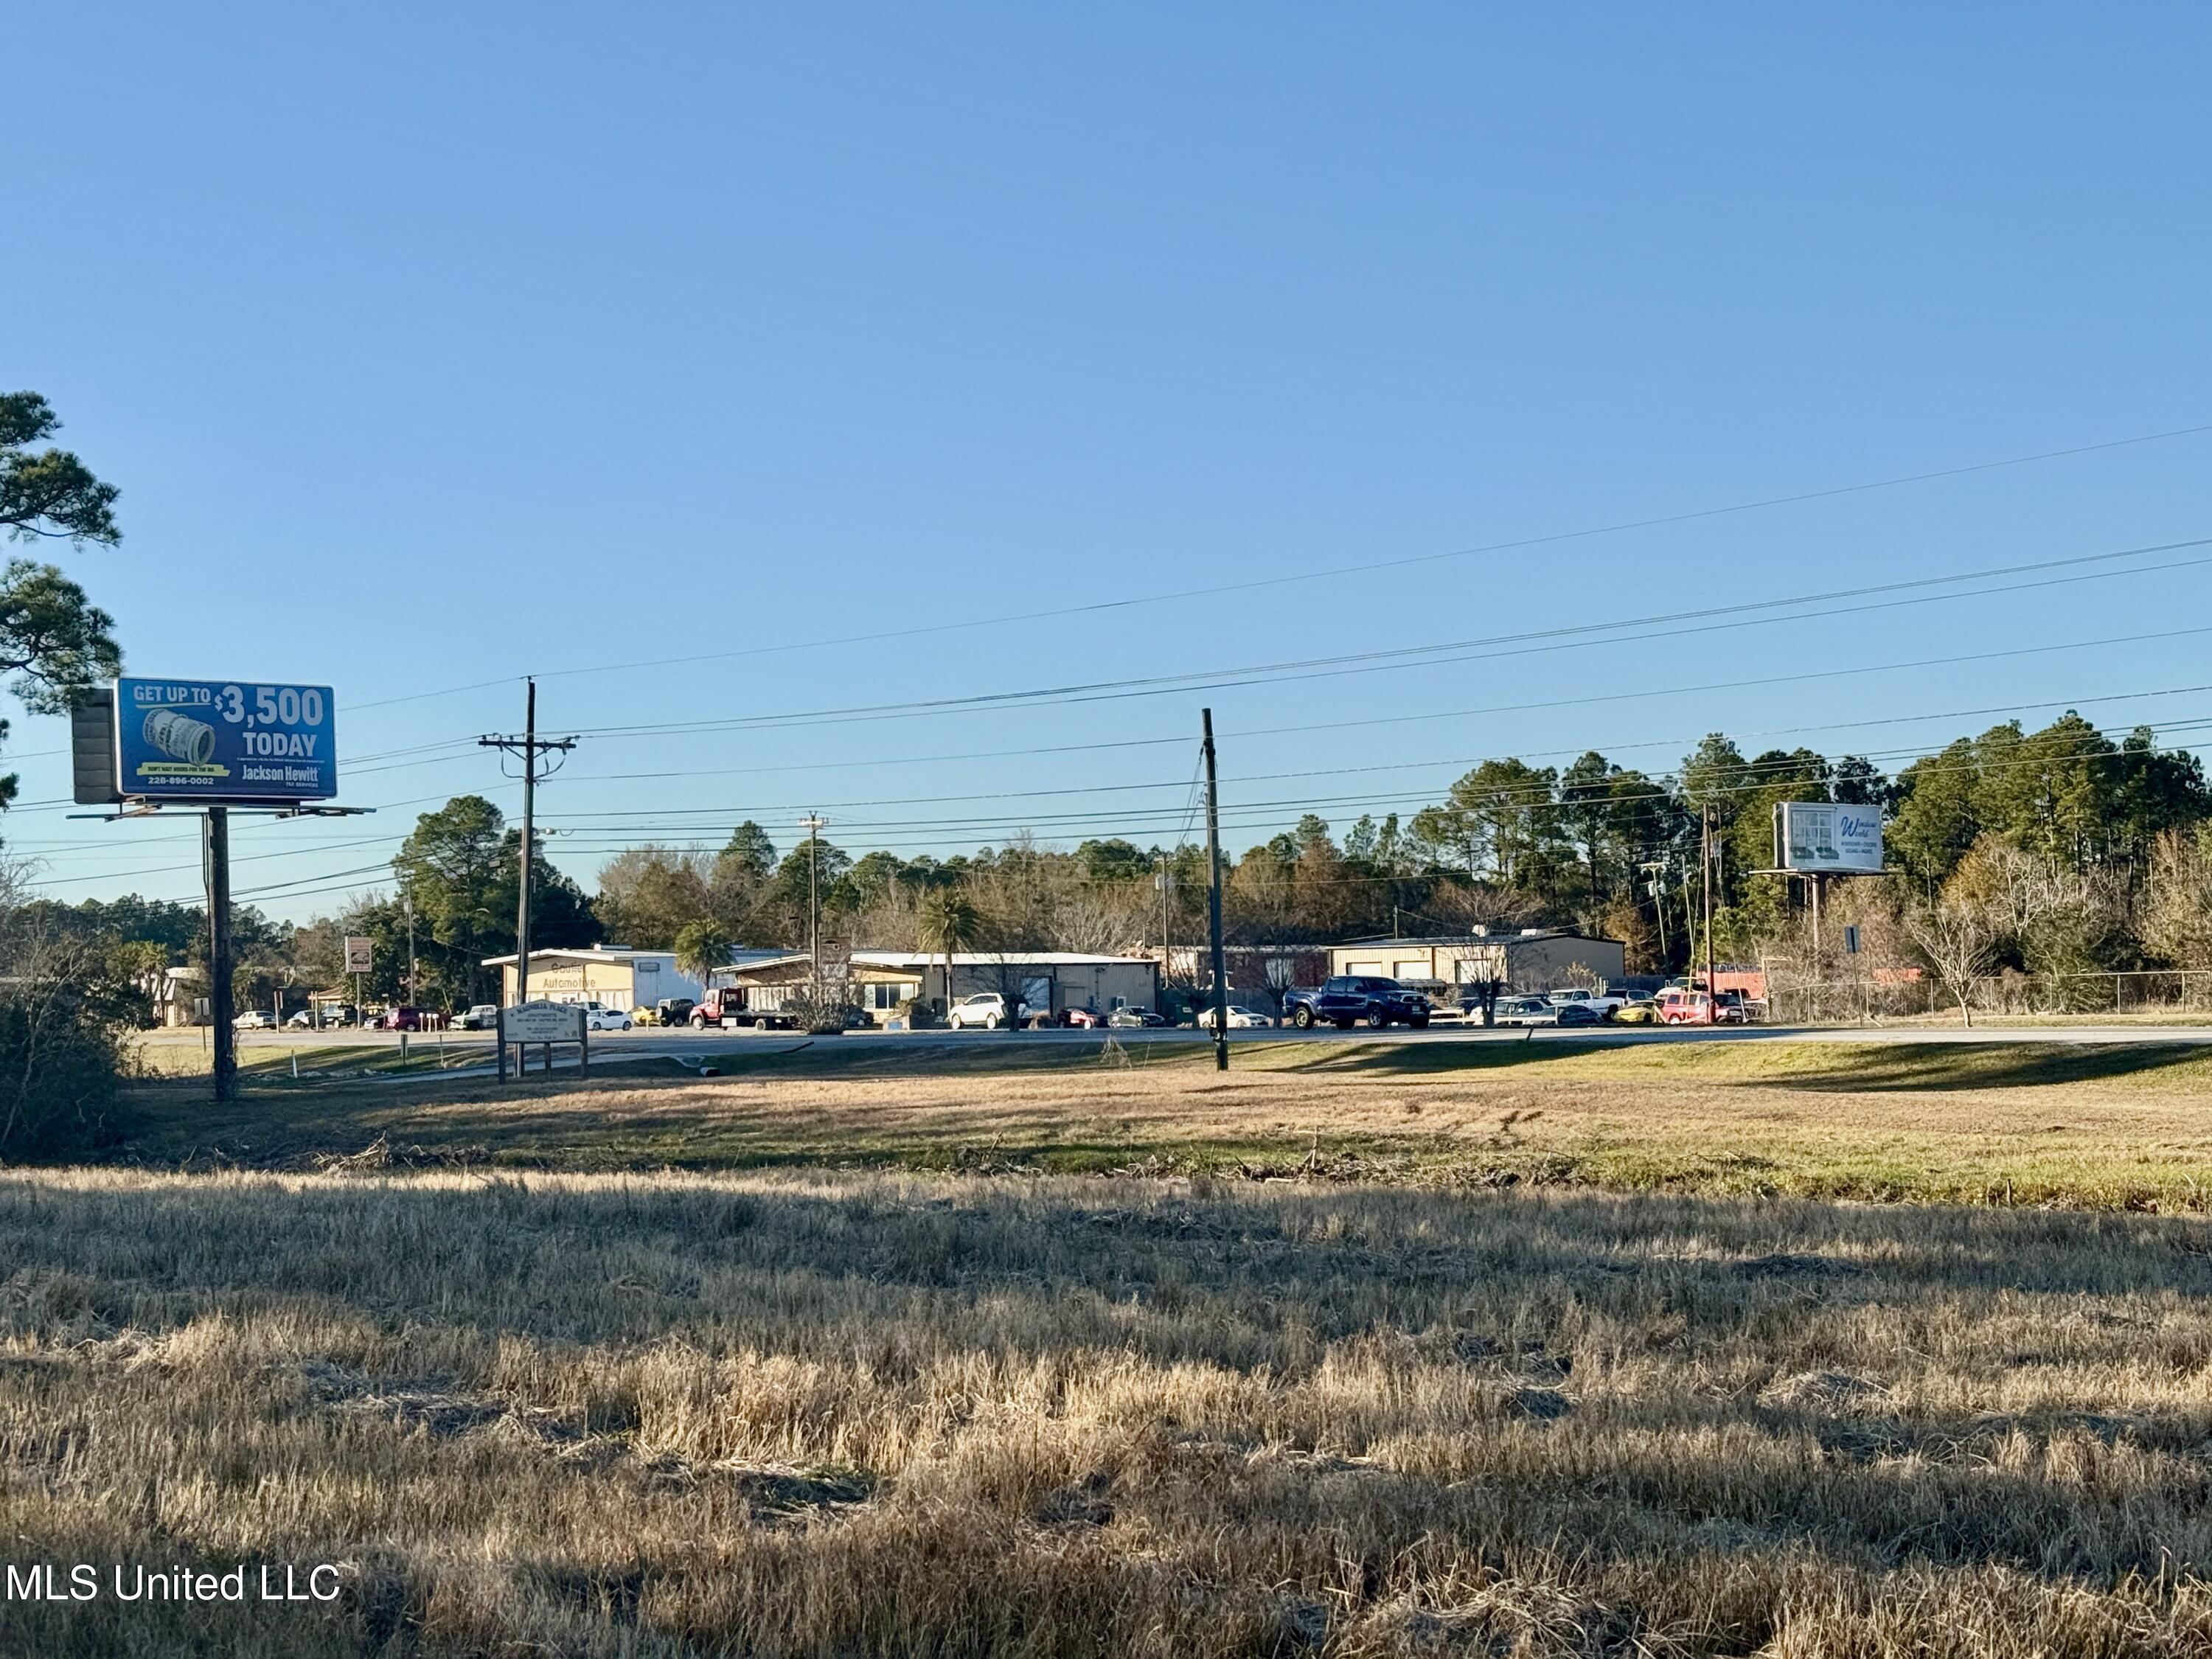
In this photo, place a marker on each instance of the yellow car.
(1642, 1011)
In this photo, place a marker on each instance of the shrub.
(61, 1064)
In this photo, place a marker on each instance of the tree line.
(2071, 851)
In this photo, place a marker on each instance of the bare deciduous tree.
(1956, 935)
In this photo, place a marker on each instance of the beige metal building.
(622, 978)
(1533, 959)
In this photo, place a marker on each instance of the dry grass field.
(1349, 1365)
(2121, 1126)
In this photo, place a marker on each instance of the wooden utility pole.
(216, 845)
(1213, 903)
(1712, 991)
(812, 824)
(1164, 881)
(529, 834)
(529, 746)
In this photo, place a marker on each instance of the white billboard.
(1822, 836)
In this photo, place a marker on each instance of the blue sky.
(432, 346)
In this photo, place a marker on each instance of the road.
(691, 1046)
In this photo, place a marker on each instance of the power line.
(1419, 656)
(1552, 538)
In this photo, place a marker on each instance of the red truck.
(725, 1007)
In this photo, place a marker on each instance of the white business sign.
(541, 1022)
(356, 954)
(1817, 836)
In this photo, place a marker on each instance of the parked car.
(1083, 1018)
(477, 1017)
(1241, 1018)
(597, 1016)
(302, 1020)
(1349, 999)
(1604, 1004)
(987, 1009)
(254, 1019)
(669, 1011)
(1577, 1013)
(1637, 1011)
(1683, 1007)
(1526, 1011)
(1126, 1017)
(400, 1019)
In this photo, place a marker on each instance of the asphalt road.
(688, 1044)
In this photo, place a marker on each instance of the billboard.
(224, 741)
(1814, 837)
(541, 1022)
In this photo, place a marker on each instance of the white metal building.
(627, 980)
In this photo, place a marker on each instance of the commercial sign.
(541, 1022)
(356, 953)
(1818, 836)
(219, 740)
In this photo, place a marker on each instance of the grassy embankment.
(2119, 1126)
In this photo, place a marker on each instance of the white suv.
(987, 1009)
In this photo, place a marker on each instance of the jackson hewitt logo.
(51, 1581)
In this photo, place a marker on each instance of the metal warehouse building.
(627, 980)
(882, 980)
(1533, 959)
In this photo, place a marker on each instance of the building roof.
(1517, 936)
(607, 953)
(919, 959)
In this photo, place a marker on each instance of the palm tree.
(947, 923)
(700, 948)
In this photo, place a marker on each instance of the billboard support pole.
(1213, 902)
(216, 836)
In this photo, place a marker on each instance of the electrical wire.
(1411, 656)
(1334, 571)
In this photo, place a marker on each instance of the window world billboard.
(224, 741)
(1817, 836)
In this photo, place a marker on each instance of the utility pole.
(1213, 902)
(407, 905)
(529, 746)
(812, 824)
(1164, 881)
(217, 847)
(1712, 991)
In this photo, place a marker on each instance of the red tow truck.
(725, 1007)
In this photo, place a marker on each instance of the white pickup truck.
(1604, 1004)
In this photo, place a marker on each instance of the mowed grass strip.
(2123, 1127)
(863, 1415)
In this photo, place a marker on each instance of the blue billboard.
(219, 740)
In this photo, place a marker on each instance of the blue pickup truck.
(1351, 1000)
